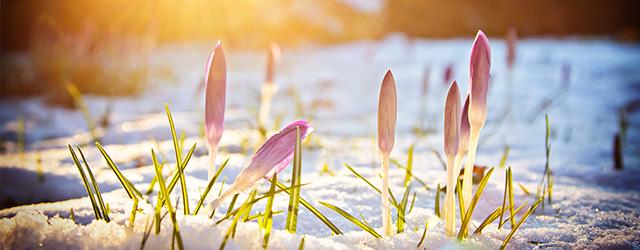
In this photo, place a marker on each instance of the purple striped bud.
(387, 110)
(272, 157)
(479, 73)
(452, 120)
(215, 87)
(465, 128)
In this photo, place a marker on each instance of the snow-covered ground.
(593, 205)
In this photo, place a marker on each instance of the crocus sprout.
(451, 137)
(477, 112)
(463, 145)
(448, 74)
(272, 157)
(387, 109)
(269, 88)
(512, 40)
(216, 84)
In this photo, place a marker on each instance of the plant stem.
(213, 151)
(450, 210)
(467, 180)
(386, 212)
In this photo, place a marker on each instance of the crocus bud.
(479, 74)
(465, 128)
(215, 81)
(387, 109)
(512, 39)
(448, 74)
(273, 56)
(272, 157)
(452, 120)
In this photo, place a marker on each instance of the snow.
(593, 205)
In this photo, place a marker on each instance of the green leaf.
(493, 216)
(294, 198)
(96, 188)
(178, 151)
(209, 186)
(474, 201)
(424, 233)
(267, 223)
(96, 210)
(524, 217)
(352, 219)
(313, 210)
(165, 193)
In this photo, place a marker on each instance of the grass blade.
(424, 184)
(460, 198)
(510, 193)
(505, 156)
(401, 212)
(437, 206)
(424, 234)
(96, 189)
(233, 203)
(409, 168)
(178, 151)
(413, 200)
(301, 246)
(493, 216)
(294, 198)
(352, 219)
(123, 180)
(165, 193)
(96, 210)
(313, 210)
(209, 186)
(513, 230)
(504, 197)
(267, 221)
(393, 200)
(474, 201)
(247, 212)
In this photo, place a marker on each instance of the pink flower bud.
(465, 128)
(273, 56)
(387, 110)
(272, 157)
(452, 120)
(215, 81)
(479, 73)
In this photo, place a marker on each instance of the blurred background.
(103, 46)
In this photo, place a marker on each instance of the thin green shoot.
(460, 198)
(424, 233)
(505, 156)
(39, 170)
(424, 184)
(72, 215)
(267, 219)
(249, 202)
(296, 176)
(165, 193)
(21, 137)
(247, 212)
(313, 210)
(474, 201)
(129, 188)
(259, 216)
(94, 204)
(176, 177)
(209, 186)
(547, 169)
(232, 204)
(352, 219)
(231, 231)
(146, 233)
(224, 180)
(96, 188)
(301, 246)
(413, 200)
(510, 193)
(524, 189)
(492, 217)
(440, 159)
(178, 151)
(437, 203)
(409, 168)
(363, 219)
(402, 212)
(504, 197)
(517, 211)
(326, 170)
(524, 217)
(392, 199)
(74, 92)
